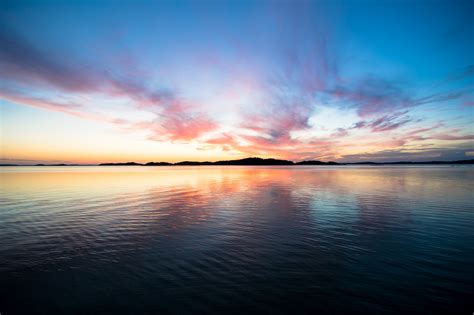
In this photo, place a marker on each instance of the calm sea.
(135, 240)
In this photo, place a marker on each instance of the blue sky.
(205, 80)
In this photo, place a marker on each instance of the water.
(159, 240)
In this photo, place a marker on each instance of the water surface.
(236, 239)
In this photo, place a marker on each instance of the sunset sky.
(109, 81)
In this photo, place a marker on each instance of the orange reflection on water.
(136, 205)
(104, 180)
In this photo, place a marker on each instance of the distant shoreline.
(256, 162)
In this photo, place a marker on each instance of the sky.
(348, 81)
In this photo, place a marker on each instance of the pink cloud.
(451, 137)
(468, 103)
(73, 109)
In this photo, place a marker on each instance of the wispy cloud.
(373, 95)
(384, 123)
(24, 64)
(430, 154)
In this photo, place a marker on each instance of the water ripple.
(237, 239)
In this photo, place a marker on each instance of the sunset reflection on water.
(384, 238)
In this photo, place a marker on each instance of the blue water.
(136, 240)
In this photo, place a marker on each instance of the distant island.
(253, 161)
(260, 161)
(246, 161)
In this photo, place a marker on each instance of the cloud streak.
(24, 64)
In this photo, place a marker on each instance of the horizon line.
(244, 161)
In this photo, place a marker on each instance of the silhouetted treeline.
(260, 161)
(257, 161)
